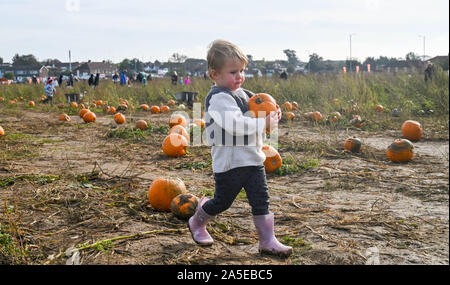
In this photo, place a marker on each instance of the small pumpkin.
(175, 145)
(2, 99)
(162, 191)
(179, 129)
(412, 130)
(31, 104)
(261, 104)
(144, 107)
(401, 150)
(287, 106)
(119, 118)
(155, 110)
(335, 101)
(177, 119)
(336, 116)
(289, 116)
(273, 159)
(89, 117)
(60, 105)
(356, 121)
(295, 105)
(316, 116)
(352, 144)
(200, 122)
(171, 102)
(2, 131)
(379, 108)
(184, 206)
(64, 117)
(165, 109)
(99, 103)
(111, 110)
(141, 124)
(74, 105)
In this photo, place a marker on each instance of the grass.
(291, 165)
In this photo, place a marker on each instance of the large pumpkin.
(162, 191)
(83, 112)
(401, 150)
(260, 105)
(89, 117)
(175, 145)
(2, 131)
(352, 144)
(412, 130)
(119, 118)
(183, 206)
(177, 119)
(273, 159)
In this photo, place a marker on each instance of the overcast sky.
(150, 30)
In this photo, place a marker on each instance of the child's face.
(230, 76)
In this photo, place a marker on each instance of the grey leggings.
(230, 183)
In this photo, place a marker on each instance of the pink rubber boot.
(268, 243)
(197, 225)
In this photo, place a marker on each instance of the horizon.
(150, 30)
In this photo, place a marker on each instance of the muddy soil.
(65, 185)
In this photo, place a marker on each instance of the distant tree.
(1, 60)
(25, 60)
(292, 56)
(177, 58)
(315, 62)
(9, 75)
(131, 65)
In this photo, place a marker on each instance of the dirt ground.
(65, 185)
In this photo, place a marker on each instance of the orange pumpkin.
(155, 110)
(179, 129)
(141, 124)
(111, 110)
(60, 105)
(295, 105)
(2, 99)
(177, 119)
(89, 117)
(144, 107)
(83, 112)
(273, 159)
(171, 102)
(287, 106)
(74, 105)
(356, 121)
(336, 116)
(200, 123)
(99, 103)
(401, 150)
(175, 145)
(82, 106)
(260, 105)
(31, 104)
(379, 108)
(316, 116)
(183, 206)
(64, 117)
(335, 101)
(2, 131)
(165, 109)
(352, 144)
(12, 102)
(412, 130)
(308, 115)
(288, 115)
(162, 191)
(119, 118)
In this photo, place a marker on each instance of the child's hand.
(272, 120)
(278, 112)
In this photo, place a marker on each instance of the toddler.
(237, 157)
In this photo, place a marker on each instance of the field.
(68, 187)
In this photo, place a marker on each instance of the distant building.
(105, 69)
(22, 73)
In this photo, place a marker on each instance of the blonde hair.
(220, 51)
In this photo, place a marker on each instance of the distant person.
(174, 78)
(187, 81)
(205, 76)
(115, 78)
(49, 90)
(34, 79)
(140, 77)
(97, 79)
(284, 75)
(91, 80)
(123, 78)
(429, 72)
(60, 80)
(70, 81)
